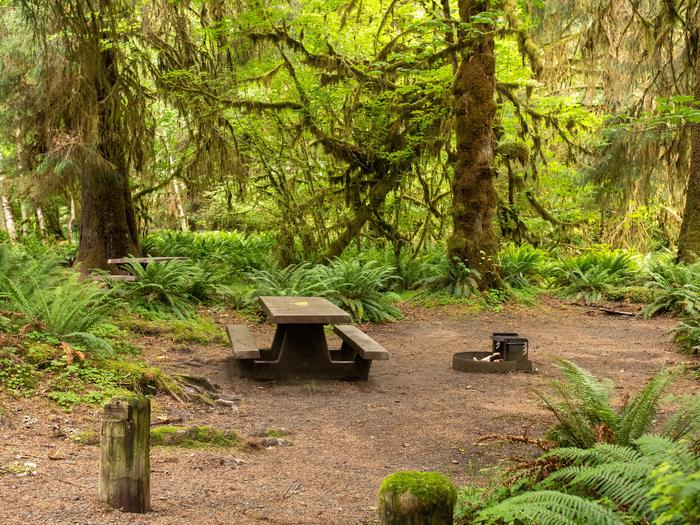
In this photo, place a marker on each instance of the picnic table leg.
(304, 348)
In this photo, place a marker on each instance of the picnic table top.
(303, 310)
(144, 260)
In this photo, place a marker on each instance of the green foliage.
(16, 376)
(586, 416)
(192, 330)
(302, 279)
(652, 480)
(75, 382)
(53, 299)
(592, 275)
(521, 266)
(675, 288)
(162, 288)
(687, 336)
(193, 437)
(548, 507)
(360, 288)
(230, 252)
(453, 275)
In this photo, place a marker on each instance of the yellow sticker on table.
(302, 303)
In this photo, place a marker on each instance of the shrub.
(230, 252)
(162, 288)
(453, 275)
(675, 288)
(299, 279)
(521, 266)
(586, 416)
(68, 310)
(360, 288)
(591, 276)
(653, 480)
(687, 336)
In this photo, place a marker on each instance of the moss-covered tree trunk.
(474, 200)
(107, 224)
(689, 238)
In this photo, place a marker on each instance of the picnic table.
(299, 346)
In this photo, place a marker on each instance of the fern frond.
(638, 416)
(549, 507)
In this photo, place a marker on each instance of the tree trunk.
(24, 211)
(107, 224)
(474, 200)
(9, 220)
(689, 238)
(71, 219)
(7, 213)
(106, 214)
(180, 208)
(416, 498)
(41, 222)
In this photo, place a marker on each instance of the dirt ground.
(413, 413)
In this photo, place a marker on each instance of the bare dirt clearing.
(413, 413)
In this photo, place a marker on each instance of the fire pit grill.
(509, 353)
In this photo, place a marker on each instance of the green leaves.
(585, 415)
(356, 286)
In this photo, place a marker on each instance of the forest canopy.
(404, 123)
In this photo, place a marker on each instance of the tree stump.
(416, 498)
(124, 454)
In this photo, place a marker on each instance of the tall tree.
(96, 113)
(474, 199)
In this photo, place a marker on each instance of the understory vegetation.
(602, 464)
(389, 156)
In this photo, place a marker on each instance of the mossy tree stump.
(416, 498)
(124, 454)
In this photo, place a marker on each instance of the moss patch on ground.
(193, 437)
(196, 330)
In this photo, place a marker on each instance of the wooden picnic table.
(299, 346)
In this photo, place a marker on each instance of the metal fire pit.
(512, 350)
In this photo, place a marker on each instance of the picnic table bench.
(120, 261)
(144, 260)
(299, 346)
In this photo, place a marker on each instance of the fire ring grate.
(509, 353)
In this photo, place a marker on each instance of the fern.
(675, 287)
(655, 480)
(545, 507)
(687, 336)
(301, 279)
(360, 287)
(162, 288)
(521, 266)
(585, 414)
(638, 415)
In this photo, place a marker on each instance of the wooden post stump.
(124, 454)
(417, 498)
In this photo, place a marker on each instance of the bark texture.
(108, 223)
(689, 238)
(474, 199)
